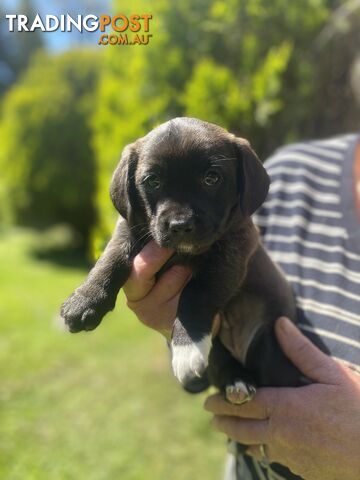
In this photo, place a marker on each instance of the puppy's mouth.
(190, 249)
(184, 247)
(184, 243)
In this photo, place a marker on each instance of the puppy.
(192, 186)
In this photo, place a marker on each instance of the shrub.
(46, 156)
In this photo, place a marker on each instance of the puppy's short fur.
(192, 186)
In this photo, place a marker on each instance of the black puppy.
(192, 186)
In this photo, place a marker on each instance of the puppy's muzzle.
(186, 232)
(176, 229)
(182, 234)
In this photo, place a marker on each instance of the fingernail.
(286, 325)
(154, 250)
(216, 325)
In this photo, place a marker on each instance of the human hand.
(314, 430)
(155, 302)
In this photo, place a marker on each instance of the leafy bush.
(46, 157)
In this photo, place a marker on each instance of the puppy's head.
(185, 180)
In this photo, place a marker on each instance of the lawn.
(95, 406)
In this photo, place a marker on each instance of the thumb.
(311, 361)
(170, 284)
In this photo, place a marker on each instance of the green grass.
(95, 406)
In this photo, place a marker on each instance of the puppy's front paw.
(239, 392)
(190, 361)
(81, 312)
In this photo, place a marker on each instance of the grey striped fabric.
(310, 227)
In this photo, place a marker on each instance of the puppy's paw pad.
(78, 313)
(190, 361)
(239, 392)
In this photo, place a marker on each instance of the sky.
(64, 40)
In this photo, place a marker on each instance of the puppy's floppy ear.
(253, 180)
(122, 188)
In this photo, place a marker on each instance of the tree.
(46, 156)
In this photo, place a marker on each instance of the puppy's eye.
(211, 178)
(152, 181)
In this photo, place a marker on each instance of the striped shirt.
(309, 226)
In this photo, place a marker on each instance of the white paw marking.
(240, 392)
(189, 361)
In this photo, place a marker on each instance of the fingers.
(164, 293)
(260, 407)
(146, 265)
(249, 432)
(311, 361)
(154, 301)
(170, 284)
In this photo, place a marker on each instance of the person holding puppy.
(310, 225)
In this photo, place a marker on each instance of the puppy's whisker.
(143, 238)
(139, 225)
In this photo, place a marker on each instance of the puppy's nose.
(181, 226)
